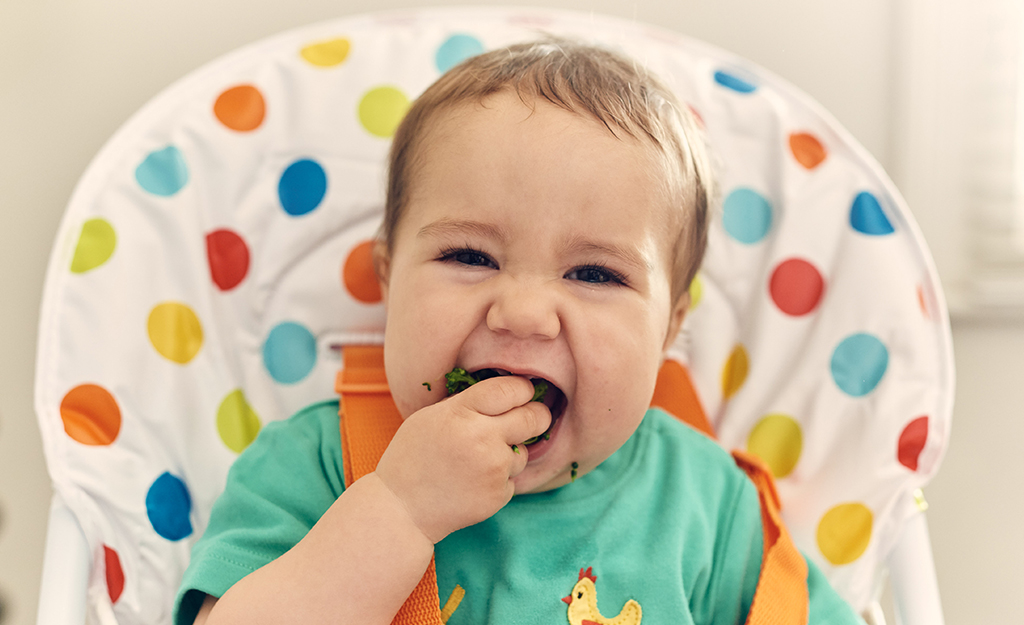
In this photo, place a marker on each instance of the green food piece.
(427, 384)
(515, 448)
(540, 388)
(572, 474)
(457, 380)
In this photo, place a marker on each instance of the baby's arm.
(450, 465)
(357, 564)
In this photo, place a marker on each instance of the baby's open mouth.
(544, 392)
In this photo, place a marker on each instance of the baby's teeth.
(503, 372)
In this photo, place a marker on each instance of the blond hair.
(585, 80)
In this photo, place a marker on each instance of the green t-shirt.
(667, 521)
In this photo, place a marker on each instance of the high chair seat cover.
(216, 252)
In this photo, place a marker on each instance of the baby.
(546, 211)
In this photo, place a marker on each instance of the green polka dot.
(778, 441)
(381, 110)
(95, 245)
(237, 423)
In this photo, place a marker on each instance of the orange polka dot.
(844, 533)
(240, 108)
(358, 275)
(806, 149)
(734, 374)
(91, 415)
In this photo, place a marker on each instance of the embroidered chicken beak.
(567, 599)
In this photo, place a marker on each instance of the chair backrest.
(217, 249)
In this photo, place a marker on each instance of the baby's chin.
(531, 482)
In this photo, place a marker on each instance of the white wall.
(72, 72)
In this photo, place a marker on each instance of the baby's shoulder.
(693, 461)
(309, 440)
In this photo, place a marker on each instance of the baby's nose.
(525, 310)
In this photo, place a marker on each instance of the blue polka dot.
(456, 49)
(168, 506)
(746, 215)
(289, 352)
(163, 172)
(859, 363)
(867, 216)
(302, 187)
(734, 82)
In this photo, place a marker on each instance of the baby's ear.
(675, 320)
(382, 267)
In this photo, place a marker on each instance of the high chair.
(217, 250)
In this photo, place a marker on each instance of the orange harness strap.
(369, 419)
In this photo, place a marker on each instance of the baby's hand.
(452, 463)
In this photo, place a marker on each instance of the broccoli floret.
(540, 388)
(457, 380)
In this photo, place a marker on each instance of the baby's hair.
(586, 80)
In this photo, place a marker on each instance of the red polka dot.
(358, 276)
(807, 150)
(796, 286)
(912, 442)
(115, 574)
(240, 108)
(229, 258)
(91, 415)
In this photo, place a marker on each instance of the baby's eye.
(594, 274)
(468, 257)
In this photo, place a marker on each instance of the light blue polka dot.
(746, 215)
(858, 364)
(734, 82)
(289, 353)
(302, 187)
(455, 50)
(163, 172)
(168, 506)
(867, 216)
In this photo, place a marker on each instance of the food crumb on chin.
(572, 474)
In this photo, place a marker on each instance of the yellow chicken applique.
(583, 604)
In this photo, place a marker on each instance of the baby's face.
(536, 243)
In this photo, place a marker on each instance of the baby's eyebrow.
(448, 227)
(627, 254)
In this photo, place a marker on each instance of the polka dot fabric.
(218, 249)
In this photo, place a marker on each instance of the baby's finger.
(517, 463)
(496, 396)
(525, 422)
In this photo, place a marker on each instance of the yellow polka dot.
(95, 245)
(778, 441)
(844, 533)
(696, 291)
(237, 423)
(381, 110)
(327, 53)
(735, 372)
(175, 332)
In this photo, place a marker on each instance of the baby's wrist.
(401, 508)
